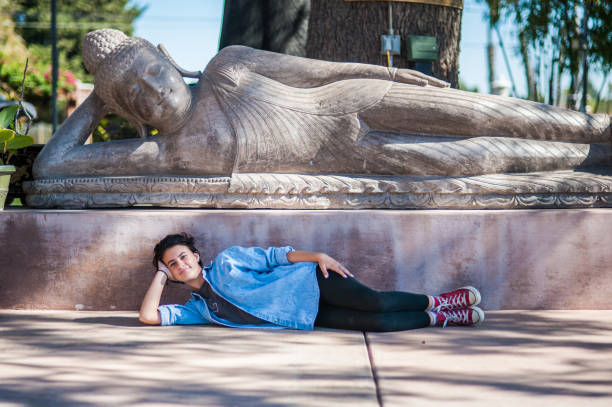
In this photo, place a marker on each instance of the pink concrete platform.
(519, 259)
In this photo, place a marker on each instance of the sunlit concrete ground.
(529, 358)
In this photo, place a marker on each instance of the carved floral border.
(566, 189)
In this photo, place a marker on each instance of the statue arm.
(65, 154)
(74, 131)
(304, 72)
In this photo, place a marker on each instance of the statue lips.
(167, 106)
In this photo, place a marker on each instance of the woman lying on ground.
(284, 288)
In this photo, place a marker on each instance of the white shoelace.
(454, 301)
(460, 317)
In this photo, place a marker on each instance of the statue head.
(135, 80)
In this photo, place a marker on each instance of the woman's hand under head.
(162, 267)
(324, 261)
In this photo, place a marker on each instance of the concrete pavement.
(528, 358)
(516, 358)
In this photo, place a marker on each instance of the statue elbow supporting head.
(135, 80)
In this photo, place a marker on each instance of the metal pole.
(54, 63)
(390, 18)
(490, 55)
(389, 56)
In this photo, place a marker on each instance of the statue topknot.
(107, 54)
(98, 45)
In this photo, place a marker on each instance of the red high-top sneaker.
(464, 317)
(464, 297)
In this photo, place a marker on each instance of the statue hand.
(418, 78)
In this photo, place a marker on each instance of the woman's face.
(154, 91)
(182, 263)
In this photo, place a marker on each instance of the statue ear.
(183, 72)
(142, 130)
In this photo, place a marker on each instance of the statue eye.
(133, 91)
(154, 69)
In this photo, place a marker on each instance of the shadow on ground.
(63, 359)
(531, 358)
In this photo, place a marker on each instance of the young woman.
(280, 287)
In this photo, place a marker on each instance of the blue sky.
(190, 31)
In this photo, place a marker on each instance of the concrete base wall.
(521, 259)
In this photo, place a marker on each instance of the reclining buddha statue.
(261, 129)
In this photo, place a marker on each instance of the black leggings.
(345, 303)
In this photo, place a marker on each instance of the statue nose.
(151, 84)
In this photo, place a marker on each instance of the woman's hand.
(324, 261)
(162, 267)
(328, 263)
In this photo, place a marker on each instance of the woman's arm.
(148, 310)
(305, 73)
(325, 262)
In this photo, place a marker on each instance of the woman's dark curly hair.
(170, 241)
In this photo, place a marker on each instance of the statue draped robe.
(343, 136)
(372, 126)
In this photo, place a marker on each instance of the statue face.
(154, 91)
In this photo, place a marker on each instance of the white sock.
(432, 300)
(434, 317)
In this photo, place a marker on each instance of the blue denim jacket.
(261, 282)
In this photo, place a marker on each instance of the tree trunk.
(551, 82)
(529, 75)
(349, 31)
(573, 57)
(271, 25)
(560, 66)
(493, 17)
(524, 48)
(490, 58)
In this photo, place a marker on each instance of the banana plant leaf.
(7, 116)
(6, 135)
(19, 141)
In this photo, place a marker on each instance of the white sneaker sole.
(481, 316)
(476, 294)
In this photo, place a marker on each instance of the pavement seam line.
(373, 369)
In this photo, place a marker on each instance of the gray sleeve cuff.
(164, 313)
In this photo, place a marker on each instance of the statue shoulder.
(236, 51)
(231, 55)
(228, 65)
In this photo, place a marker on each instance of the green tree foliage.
(13, 55)
(75, 18)
(25, 31)
(550, 33)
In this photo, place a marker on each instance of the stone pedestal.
(519, 259)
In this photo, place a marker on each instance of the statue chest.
(279, 128)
